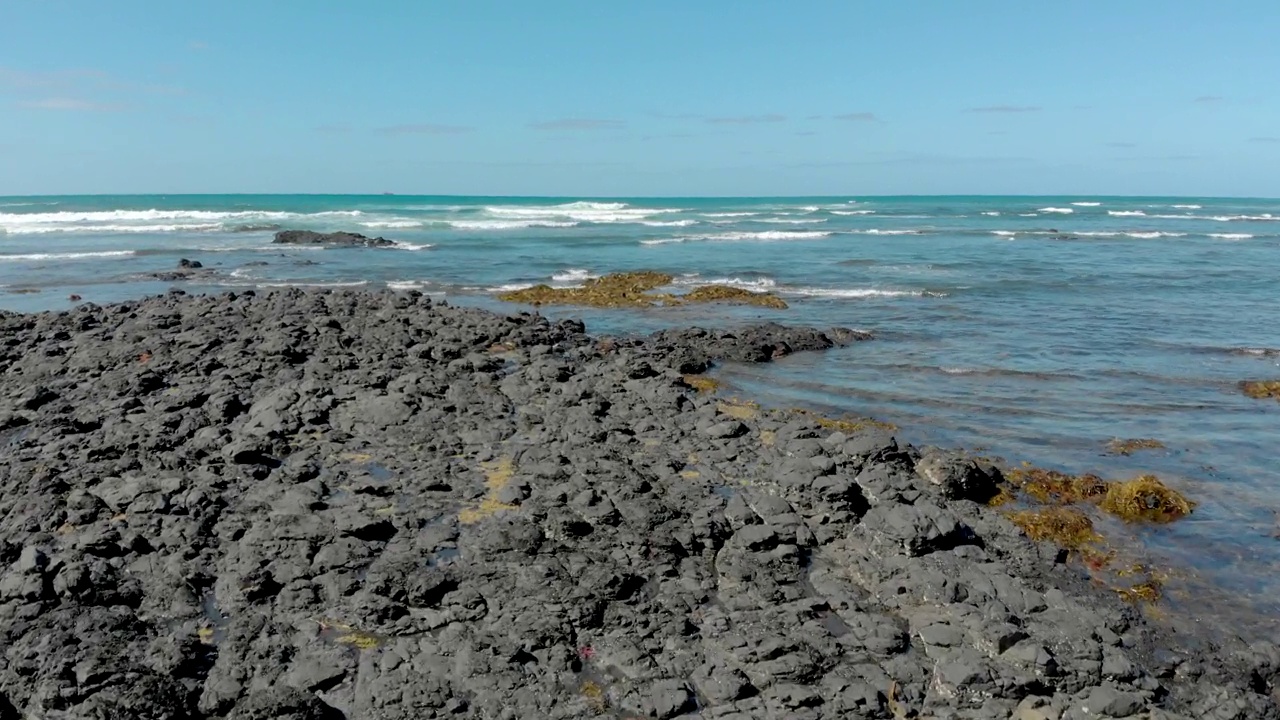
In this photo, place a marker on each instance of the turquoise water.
(1036, 328)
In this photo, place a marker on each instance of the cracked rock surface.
(335, 505)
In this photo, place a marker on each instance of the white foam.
(574, 275)
(1060, 211)
(730, 214)
(593, 212)
(960, 370)
(241, 273)
(1086, 204)
(992, 213)
(411, 247)
(877, 231)
(1186, 207)
(851, 292)
(853, 212)
(763, 284)
(1028, 214)
(31, 257)
(1126, 213)
(790, 221)
(1139, 235)
(1233, 218)
(511, 287)
(109, 229)
(767, 236)
(150, 221)
(508, 224)
(1231, 236)
(392, 224)
(405, 285)
(1004, 233)
(669, 223)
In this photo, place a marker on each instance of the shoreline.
(601, 536)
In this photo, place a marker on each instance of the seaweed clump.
(1261, 389)
(1051, 486)
(1065, 526)
(1145, 499)
(724, 293)
(636, 290)
(1128, 447)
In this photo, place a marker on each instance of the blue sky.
(663, 97)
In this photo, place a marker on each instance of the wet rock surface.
(340, 239)
(370, 505)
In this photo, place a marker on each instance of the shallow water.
(1008, 324)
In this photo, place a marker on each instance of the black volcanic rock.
(328, 505)
(337, 239)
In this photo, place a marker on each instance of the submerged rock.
(1261, 389)
(337, 239)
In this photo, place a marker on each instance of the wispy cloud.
(1264, 139)
(76, 89)
(916, 159)
(334, 129)
(26, 79)
(1207, 99)
(747, 119)
(422, 129)
(579, 124)
(858, 117)
(669, 136)
(1005, 109)
(198, 45)
(70, 104)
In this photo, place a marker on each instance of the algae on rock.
(635, 290)
(1261, 389)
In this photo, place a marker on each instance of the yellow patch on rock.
(739, 409)
(701, 383)
(498, 474)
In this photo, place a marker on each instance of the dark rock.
(295, 504)
(337, 239)
(956, 476)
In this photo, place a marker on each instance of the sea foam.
(30, 257)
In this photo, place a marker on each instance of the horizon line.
(641, 197)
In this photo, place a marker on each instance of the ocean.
(1032, 328)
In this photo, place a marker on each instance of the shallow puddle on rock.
(379, 472)
(726, 492)
(445, 556)
(218, 622)
(13, 437)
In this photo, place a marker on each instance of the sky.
(654, 98)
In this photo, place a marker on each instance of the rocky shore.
(315, 505)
